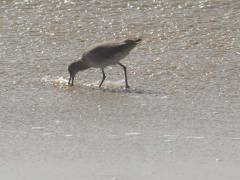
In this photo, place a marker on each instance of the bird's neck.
(82, 65)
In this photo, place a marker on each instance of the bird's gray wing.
(107, 51)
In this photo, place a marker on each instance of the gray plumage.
(103, 55)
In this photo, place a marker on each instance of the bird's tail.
(138, 40)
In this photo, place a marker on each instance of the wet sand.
(179, 120)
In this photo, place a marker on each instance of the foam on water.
(107, 84)
(237, 138)
(132, 133)
(63, 82)
(38, 128)
(57, 81)
(68, 135)
(194, 137)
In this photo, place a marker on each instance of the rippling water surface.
(179, 120)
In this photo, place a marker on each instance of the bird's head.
(75, 67)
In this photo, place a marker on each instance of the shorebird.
(103, 55)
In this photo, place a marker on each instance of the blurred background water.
(179, 120)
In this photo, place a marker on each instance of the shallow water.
(179, 120)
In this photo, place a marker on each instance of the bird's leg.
(125, 73)
(69, 81)
(103, 78)
(72, 80)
